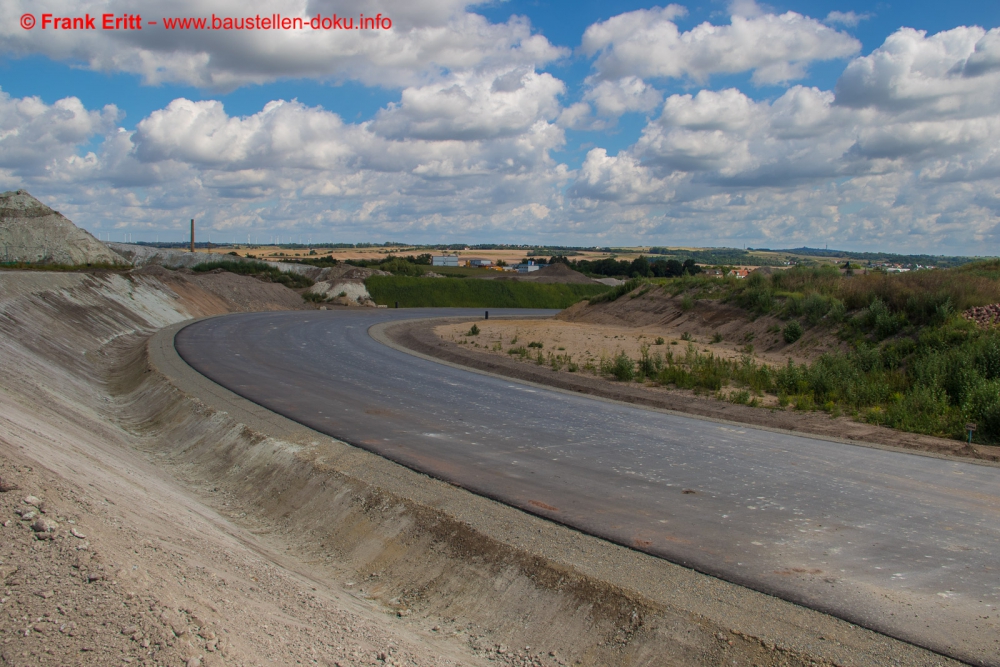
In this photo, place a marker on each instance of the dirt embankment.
(183, 532)
(712, 323)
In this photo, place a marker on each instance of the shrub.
(686, 336)
(815, 307)
(620, 367)
(649, 365)
(536, 344)
(759, 300)
(659, 340)
(474, 331)
(741, 397)
(716, 337)
(792, 332)
(687, 303)
(881, 320)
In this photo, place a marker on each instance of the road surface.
(904, 544)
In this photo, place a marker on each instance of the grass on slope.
(259, 270)
(440, 293)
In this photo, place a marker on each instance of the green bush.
(880, 319)
(815, 307)
(473, 331)
(620, 367)
(741, 397)
(792, 332)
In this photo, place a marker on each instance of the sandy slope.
(152, 575)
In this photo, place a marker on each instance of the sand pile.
(30, 231)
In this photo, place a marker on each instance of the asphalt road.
(904, 544)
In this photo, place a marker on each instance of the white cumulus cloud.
(647, 43)
(425, 39)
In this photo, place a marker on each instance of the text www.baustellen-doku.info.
(54, 22)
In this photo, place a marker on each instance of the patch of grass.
(537, 344)
(313, 297)
(473, 331)
(716, 337)
(615, 292)
(425, 293)
(659, 340)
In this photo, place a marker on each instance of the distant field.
(443, 293)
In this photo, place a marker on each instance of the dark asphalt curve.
(903, 544)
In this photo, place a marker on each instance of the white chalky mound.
(30, 231)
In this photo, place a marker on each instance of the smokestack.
(192, 234)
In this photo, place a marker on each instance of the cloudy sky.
(848, 124)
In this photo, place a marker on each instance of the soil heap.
(30, 231)
(553, 273)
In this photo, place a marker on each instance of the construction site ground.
(150, 517)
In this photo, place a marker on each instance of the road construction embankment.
(295, 546)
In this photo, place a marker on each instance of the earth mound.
(32, 232)
(553, 273)
(558, 273)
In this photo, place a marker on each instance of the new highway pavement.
(908, 545)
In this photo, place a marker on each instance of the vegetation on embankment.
(260, 270)
(914, 361)
(441, 293)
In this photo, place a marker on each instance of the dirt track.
(214, 537)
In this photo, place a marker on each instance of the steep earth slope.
(30, 231)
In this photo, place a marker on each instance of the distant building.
(713, 273)
(480, 262)
(739, 274)
(527, 268)
(445, 260)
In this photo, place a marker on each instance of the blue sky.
(719, 123)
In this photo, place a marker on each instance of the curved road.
(904, 544)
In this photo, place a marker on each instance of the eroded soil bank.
(187, 527)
